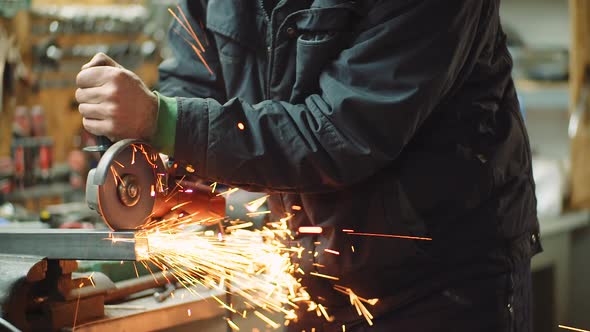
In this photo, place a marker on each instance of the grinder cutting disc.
(121, 187)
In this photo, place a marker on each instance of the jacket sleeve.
(183, 74)
(374, 96)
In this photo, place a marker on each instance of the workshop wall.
(40, 127)
(524, 16)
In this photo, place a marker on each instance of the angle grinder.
(130, 187)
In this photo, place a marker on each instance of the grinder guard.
(124, 189)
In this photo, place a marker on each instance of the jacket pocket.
(230, 52)
(323, 35)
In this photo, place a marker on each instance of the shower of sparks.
(256, 263)
(572, 328)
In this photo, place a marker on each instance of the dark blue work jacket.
(390, 117)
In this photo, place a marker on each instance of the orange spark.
(358, 303)
(239, 226)
(254, 214)
(393, 236)
(256, 204)
(334, 252)
(296, 207)
(241, 126)
(152, 191)
(179, 205)
(116, 176)
(91, 279)
(232, 325)
(192, 32)
(325, 313)
(324, 276)
(135, 268)
(267, 320)
(348, 230)
(76, 310)
(310, 230)
(189, 312)
(202, 58)
(228, 192)
(147, 157)
(572, 328)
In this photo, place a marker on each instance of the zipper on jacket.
(269, 48)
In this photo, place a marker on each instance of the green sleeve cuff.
(165, 136)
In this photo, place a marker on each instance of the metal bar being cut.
(73, 244)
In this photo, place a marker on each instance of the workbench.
(557, 240)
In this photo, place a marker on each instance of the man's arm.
(374, 97)
(116, 103)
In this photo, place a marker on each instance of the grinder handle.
(102, 144)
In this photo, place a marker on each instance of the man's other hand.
(114, 102)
